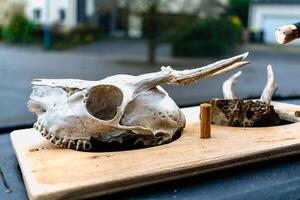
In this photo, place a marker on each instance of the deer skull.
(80, 114)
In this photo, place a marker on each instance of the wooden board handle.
(205, 120)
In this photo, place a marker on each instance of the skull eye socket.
(103, 101)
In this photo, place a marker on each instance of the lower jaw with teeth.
(78, 145)
(125, 141)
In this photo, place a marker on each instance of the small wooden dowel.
(205, 120)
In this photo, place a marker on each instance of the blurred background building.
(267, 15)
(7, 8)
(112, 16)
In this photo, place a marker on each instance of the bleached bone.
(270, 87)
(186, 77)
(228, 86)
(231, 111)
(80, 114)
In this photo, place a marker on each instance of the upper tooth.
(53, 139)
(35, 125)
(39, 127)
(44, 132)
(58, 142)
(71, 142)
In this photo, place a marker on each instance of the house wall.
(52, 9)
(42, 5)
(90, 7)
(70, 7)
(258, 12)
(172, 7)
(266, 18)
(7, 7)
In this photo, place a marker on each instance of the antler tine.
(270, 87)
(190, 76)
(170, 76)
(232, 67)
(228, 85)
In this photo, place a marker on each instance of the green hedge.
(85, 33)
(65, 39)
(208, 38)
(18, 29)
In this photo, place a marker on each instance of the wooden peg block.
(205, 120)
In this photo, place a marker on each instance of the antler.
(270, 87)
(170, 76)
(228, 86)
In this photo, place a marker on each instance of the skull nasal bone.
(103, 101)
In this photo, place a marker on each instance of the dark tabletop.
(277, 179)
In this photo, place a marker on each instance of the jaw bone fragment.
(124, 109)
(245, 113)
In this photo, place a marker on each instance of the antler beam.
(228, 86)
(270, 87)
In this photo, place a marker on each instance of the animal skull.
(80, 114)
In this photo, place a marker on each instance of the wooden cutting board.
(53, 173)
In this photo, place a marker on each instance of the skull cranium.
(78, 114)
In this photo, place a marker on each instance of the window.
(61, 15)
(37, 14)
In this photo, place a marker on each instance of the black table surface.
(276, 179)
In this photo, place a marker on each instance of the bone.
(65, 141)
(71, 144)
(52, 139)
(232, 67)
(35, 125)
(48, 137)
(190, 76)
(44, 132)
(39, 128)
(78, 145)
(170, 76)
(228, 86)
(69, 84)
(288, 116)
(113, 109)
(87, 146)
(270, 87)
(84, 145)
(35, 106)
(58, 142)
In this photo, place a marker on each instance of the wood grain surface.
(53, 173)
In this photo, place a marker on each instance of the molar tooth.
(58, 142)
(84, 145)
(87, 145)
(78, 145)
(44, 132)
(53, 139)
(35, 125)
(70, 144)
(65, 140)
(39, 127)
(48, 136)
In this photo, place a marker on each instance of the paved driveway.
(19, 65)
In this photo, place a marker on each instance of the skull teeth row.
(77, 145)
